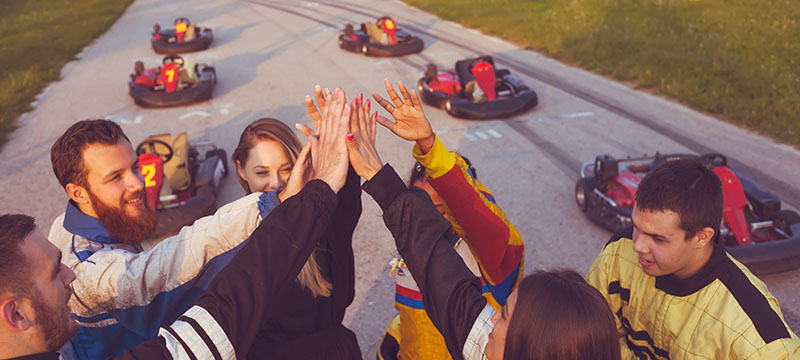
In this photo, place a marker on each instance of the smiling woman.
(38, 38)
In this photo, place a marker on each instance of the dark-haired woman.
(553, 315)
(308, 320)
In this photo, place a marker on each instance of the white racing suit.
(123, 293)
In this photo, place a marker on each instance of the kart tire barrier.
(203, 40)
(201, 91)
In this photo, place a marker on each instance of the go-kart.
(181, 180)
(755, 230)
(475, 89)
(184, 37)
(381, 38)
(176, 82)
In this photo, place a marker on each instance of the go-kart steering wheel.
(174, 59)
(151, 149)
(711, 159)
(181, 20)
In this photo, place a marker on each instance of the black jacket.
(451, 293)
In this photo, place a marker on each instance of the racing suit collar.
(711, 271)
(78, 223)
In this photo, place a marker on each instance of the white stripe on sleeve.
(173, 345)
(192, 339)
(213, 330)
(479, 335)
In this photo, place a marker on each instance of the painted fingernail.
(350, 137)
(361, 97)
(367, 102)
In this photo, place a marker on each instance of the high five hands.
(337, 117)
(410, 122)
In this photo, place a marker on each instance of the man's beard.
(56, 323)
(121, 226)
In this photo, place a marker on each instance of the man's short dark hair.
(688, 188)
(66, 155)
(14, 228)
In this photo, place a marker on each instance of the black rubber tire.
(584, 187)
(448, 106)
(222, 155)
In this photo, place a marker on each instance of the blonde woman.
(308, 320)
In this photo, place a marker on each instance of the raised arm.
(451, 293)
(225, 319)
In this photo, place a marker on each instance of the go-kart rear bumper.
(201, 42)
(200, 92)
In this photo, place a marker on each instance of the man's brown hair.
(66, 155)
(687, 187)
(14, 228)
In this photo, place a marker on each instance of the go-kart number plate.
(180, 27)
(170, 75)
(149, 172)
(389, 24)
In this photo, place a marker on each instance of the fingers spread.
(393, 95)
(404, 92)
(382, 102)
(389, 124)
(415, 97)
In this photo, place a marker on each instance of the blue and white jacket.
(123, 293)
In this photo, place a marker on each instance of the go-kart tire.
(412, 46)
(201, 91)
(347, 44)
(583, 188)
(223, 156)
(201, 42)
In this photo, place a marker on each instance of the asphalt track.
(269, 55)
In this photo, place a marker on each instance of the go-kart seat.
(765, 204)
(376, 34)
(188, 73)
(464, 68)
(191, 32)
(177, 168)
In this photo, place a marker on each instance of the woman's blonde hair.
(268, 129)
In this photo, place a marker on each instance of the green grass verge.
(736, 59)
(36, 39)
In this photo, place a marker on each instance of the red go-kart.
(181, 179)
(178, 81)
(184, 37)
(476, 89)
(755, 230)
(381, 38)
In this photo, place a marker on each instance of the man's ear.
(705, 236)
(78, 193)
(13, 315)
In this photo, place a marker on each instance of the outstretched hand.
(361, 142)
(409, 122)
(328, 150)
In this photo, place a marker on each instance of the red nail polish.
(361, 97)
(350, 137)
(367, 102)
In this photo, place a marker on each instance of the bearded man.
(127, 288)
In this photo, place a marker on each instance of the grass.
(735, 59)
(36, 39)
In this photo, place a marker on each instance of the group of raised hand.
(345, 134)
